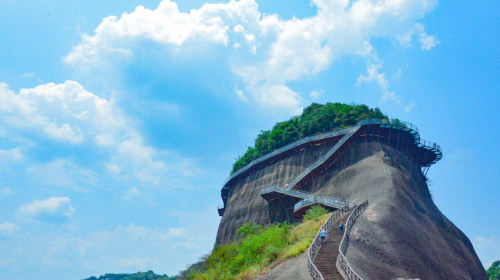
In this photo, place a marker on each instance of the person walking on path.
(322, 235)
(341, 228)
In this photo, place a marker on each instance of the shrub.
(256, 250)
(315, 119)
(314, 213)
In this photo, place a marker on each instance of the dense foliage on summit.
(315, 119)
(150, 275)
(494, 271)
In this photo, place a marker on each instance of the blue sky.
(119, 123)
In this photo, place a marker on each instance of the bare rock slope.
(402, 234)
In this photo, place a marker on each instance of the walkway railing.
(344, 264)
(316, 199)
(316, 243)
(288, 147)
(384, 123)
(321, 160)
(295, 193)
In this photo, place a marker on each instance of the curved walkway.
(347, 135)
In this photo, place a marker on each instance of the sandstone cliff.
(402, 234)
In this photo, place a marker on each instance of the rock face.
(402, 234)
(245, 203)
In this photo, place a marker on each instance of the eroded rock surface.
(402, 234)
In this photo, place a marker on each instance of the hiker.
(341, 228)
(322, 234)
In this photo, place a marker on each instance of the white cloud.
(410, 107)
(264, 50)
(64, 112)
(54, 210)
(12, 155)
(68, 114)
(6, 191)
(488, 249)
(131, 193)
(317, 93)
(8, 229)
(241, 94)
(374, 75)
(427, 42)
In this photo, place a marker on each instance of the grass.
(258, 249)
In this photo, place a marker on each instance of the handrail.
(316, 243)
(316, 199)
(307, 197)
(322, 159)
(384, 123)
(297, 193)
(344, 264)
(288, 147)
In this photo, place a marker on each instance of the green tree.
(493, 271)
(315, 119)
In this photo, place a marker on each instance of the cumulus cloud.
(8, 229)
(374, 75)
(317, 93)
(53, 210)
(69, 114)
(265, 51)
(427, 42)
(487, 248)
(64, 112)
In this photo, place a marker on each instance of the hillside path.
(326, 259)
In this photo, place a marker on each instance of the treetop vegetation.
(315, 119)
(494, 271)
(149, 275)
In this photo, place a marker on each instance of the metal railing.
(316, 243)
(344, 264)
(316, 199)
(308, 198)
(288, 147)
(384, 123)
(321, 160)
(296, 193)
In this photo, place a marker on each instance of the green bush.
(255, 250)
(257, 247)
(314, 213)
(315, 119)
(493, 271)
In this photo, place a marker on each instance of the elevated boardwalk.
(301, 200)
(401, 135)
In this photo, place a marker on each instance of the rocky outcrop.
(245, 203)
(402, 234)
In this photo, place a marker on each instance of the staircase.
(326, 258)
(303, 176)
